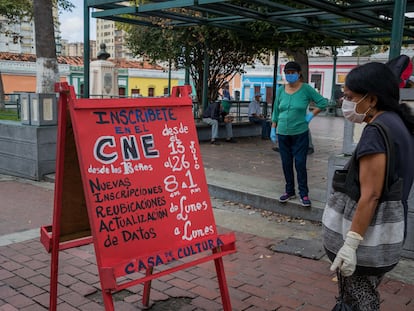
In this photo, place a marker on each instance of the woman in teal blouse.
(291, 119)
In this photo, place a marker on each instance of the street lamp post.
(58, 45)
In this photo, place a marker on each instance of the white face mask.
(349, 110)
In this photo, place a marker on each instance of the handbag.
(341, 305)
(383, 240)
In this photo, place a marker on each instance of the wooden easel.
(73, 226)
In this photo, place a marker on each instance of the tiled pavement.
(258, 278)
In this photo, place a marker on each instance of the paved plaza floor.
(245, 180)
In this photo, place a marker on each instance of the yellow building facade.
(151, 83)
(152, 87)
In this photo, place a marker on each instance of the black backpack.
(402, 67)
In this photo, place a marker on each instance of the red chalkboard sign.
(145, 188)
(143, 179)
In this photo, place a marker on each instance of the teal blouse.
(289, 110)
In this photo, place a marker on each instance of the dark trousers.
(265, 126)
(293, 149)
(361, 292)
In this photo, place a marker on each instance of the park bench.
(242, 127)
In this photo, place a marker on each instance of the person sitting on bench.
(256, 116)
(212, 116)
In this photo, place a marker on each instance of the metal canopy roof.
(354, 22)
(357, 22)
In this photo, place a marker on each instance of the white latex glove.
(346, 258)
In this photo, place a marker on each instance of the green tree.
(14, 11)
(297, 45)
(41, 10)
(227, 52)
(368, 50)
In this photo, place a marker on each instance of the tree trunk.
(300, 56)
(47, 72)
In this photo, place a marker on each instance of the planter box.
(27, 151)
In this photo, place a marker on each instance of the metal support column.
(335, 58)
(275, 72)
(205, 77)
(169, 76)
(187, 68)
(86, 49)
(332, 102)
(398, 20)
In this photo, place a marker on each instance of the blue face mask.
(292, 77)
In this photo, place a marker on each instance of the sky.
(71, 23)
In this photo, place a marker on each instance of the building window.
(316, 80)
(150, 92)
(340, 78)
(121, 91)
(135, 93)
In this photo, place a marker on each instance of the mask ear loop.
(371, 113)
(359, 101)
(363, 97)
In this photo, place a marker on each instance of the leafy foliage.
(64, 5)
(15, 10)
(368, 50)
(227, 52)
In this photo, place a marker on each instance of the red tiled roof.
(71, 60)
(18, 57)
(124, 63)
(78, 61)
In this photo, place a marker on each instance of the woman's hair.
(378, 80)
(295, 66)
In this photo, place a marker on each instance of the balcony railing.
(238, 108)
(11, 105)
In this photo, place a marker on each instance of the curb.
(292, 208)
